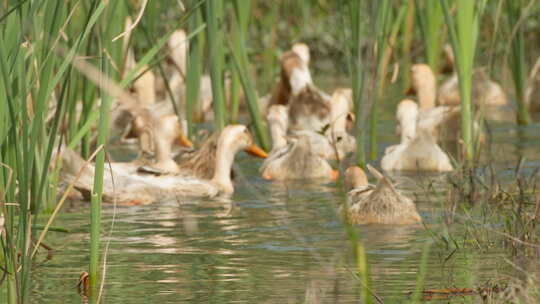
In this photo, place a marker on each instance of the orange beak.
(334, 175)
(256, 151)
(184, 141)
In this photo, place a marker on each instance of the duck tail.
(382, 181)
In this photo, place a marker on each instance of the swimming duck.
(143, 189)
(340, 117)
(418, 149)
(424, 85)
(485, 91)
(149, 129)
(202, 164)
(309, 107)
(335, 142)
(380, 204)
(293, 159)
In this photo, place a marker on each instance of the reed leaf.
(463, 32)
(382, 28)
(356, 69)
(214, 18)
(516, 59)
(241, 63)
(431, 22)
(194, 65)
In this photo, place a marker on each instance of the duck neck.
(278, 133)
(300, 78)
(339, 115)
(224, 162)
(427, 94)
(408, 128)
(162, 149)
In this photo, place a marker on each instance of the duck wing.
(430, 119)
(383, 183)
(277, 154)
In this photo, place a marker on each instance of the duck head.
(295, 71)
(355, 177)
(302, 50)
(424, 84)
(278, 120)
(232, 139)
(144, 87)
(407, 115)
(178, 46)
(340, 112)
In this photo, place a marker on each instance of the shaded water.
(270, 243)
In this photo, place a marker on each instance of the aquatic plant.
(357, 70)
(34, 78)
(240, 61)
(213, 14)
(463, 32)
(516, 60)
(431, 24)
(194, 64)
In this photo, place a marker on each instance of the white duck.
(336, 142)
(418, 149)
(142, 189)
(486, 92)
(295, 159)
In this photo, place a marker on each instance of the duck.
(135, 189)
(340, 118)
(309, 107)
(201, 163)
(379, 204)
(424, 84)
(485, 91)
(150, 129)
(178, 46)
(159, 160)
(293, 158)
(418, 148)
(335, 143)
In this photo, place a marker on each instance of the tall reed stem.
(194, 65)
(517, 59)
(463, 36)
(240, 59)
(382, 26)
(431, 25)
(357, 70)
(95, 206)
(214, 19)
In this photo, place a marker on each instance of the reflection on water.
(271, 242)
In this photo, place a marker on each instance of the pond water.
(271, 243)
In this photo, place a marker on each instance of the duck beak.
(334, 175)
(184, 141)
(256, 151)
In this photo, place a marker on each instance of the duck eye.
(339, 138)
